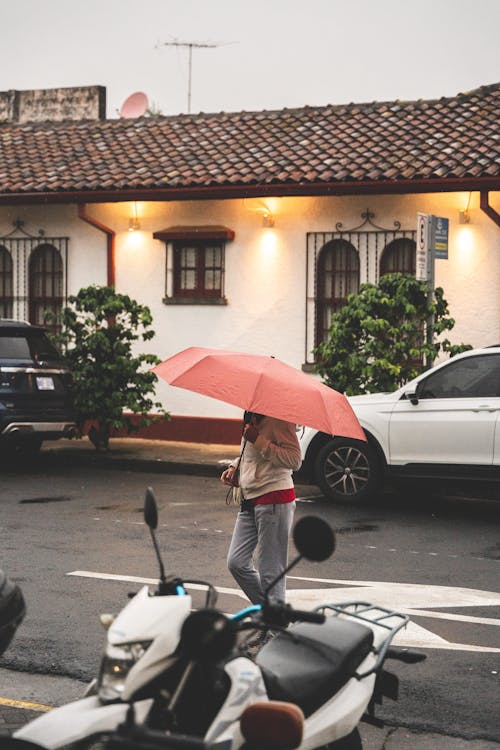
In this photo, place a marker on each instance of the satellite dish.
(135, 105)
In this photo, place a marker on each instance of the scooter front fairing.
(77, 720)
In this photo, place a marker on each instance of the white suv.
(443, 424)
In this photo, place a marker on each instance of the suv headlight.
(115, 666)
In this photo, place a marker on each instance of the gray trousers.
(265, 531)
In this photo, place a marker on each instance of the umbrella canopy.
(264, 385)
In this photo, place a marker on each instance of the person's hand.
(227, 476)
(250, 433)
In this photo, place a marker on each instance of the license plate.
(44, 383)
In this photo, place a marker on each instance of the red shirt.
(277, 497)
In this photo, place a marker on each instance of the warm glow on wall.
(464, 246)
(134, 240)
(268, 246)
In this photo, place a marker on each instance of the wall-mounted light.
(261, 207)
(268, 219)
(133, 223)
(464, 215)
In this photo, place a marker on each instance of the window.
(471, 377)
(198, 269)
(195, 262)
(6, 278)
(399, 256)
(337, 276)
(28, 344)
(45, 284)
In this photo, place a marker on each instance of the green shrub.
(385, 335)
(99, 327)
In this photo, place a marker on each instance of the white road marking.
(411, 599)
(147, 581)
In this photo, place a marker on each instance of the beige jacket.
(267, 464)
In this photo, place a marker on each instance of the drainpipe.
(488, 210)
(110, 234)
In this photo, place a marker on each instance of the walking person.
(270, 453)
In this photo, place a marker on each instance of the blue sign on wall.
(439, 235)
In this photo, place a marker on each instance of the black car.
(35, 389)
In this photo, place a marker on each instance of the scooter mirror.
(272, 724)
(314, 538)
(207, 636)
(150, 509)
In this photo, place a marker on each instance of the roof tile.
(445, 138)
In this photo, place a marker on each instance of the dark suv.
(35, 399)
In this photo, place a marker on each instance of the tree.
(99, 327)
(381, 338)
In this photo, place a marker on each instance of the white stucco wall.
(265, 269)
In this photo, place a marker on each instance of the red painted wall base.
(190, 430)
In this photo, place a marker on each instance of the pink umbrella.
(263, 385)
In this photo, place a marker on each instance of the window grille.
(337, 276)
(399, 256)
(368, 241)
(6, 279)
(45, 284)
(38, 275)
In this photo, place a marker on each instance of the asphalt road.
(436, 557)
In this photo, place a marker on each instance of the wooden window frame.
(200, 238)
(200, 268)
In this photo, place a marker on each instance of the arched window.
(337, 276)
(45, 284)
(399, 256)
(6, 278)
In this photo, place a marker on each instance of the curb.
(155, 466)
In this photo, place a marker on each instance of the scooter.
(188, 673)
(271, 725)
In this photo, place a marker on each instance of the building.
(245, 230)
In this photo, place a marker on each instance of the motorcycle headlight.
(115, 666)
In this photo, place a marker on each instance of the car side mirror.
(412, 397)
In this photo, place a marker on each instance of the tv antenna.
(190, 46)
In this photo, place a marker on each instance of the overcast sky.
(272, 53)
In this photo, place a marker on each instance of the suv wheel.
(347, 470)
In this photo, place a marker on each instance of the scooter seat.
(310, 667)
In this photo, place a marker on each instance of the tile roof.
(443, 139)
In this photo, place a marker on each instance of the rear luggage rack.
(359, 611)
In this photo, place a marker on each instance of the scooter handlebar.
(302, 615)
(282, 614)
